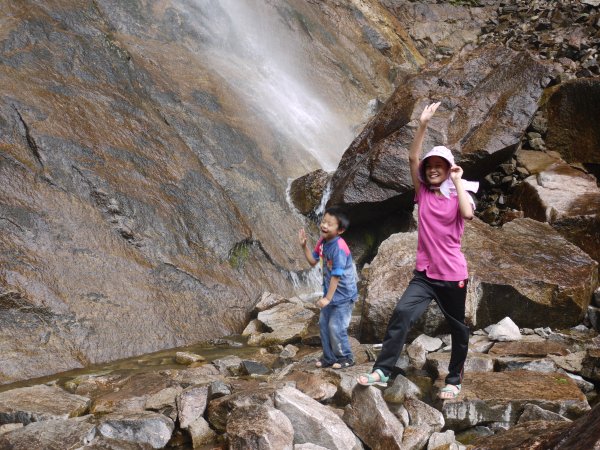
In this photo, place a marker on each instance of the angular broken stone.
(191, 404)
(144, 427)
(372, 421)
(534, 412)
(314, 422)
(259, 427)
(505, 330)
(289, 322)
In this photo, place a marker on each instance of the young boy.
(339, 288)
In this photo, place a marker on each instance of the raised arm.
(464, 203)
(416, 147)
(307, 251)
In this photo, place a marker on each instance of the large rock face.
(488, 99)
(524, 270)
(143, 190)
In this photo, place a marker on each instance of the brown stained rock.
(372, 421)
(528, 347)
(489, 97)
(306, 192)
(573, 110)
(568, 199)
(313, 384)
(131, 394)
(534, 161)
(501, 396)
(528, 435)
(524, 270)
(259, 427)
(219, 408)
(40, 402)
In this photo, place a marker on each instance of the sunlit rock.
(530, 346)
(400, 389)
(314, 422)
(505, 330)
(288, 323)
(144, 427)
(40, 402)
(201, 432)
(187, 358)
(372, 421)
(501, 396)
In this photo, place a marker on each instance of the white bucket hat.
(439, 150)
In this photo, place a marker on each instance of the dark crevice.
(30, 141)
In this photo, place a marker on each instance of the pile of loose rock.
(275, 397)
(564, 31)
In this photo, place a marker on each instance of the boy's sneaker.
(343, 363)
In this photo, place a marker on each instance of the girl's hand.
(456, 173)
(428, 112)
(302, 238)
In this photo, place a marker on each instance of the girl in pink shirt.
(441, 268)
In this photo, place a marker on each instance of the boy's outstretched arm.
(307, 251)
(416, 147)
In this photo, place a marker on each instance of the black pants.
(450, 296)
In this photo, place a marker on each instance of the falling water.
(253, 47)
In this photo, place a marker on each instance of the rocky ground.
(522, 380)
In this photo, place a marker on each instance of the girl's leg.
(324, 318)
(338, 330)
(409, 309)
(451, 298)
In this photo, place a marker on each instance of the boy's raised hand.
(302, 237)
(428, 112)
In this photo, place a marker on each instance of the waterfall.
(254, 47)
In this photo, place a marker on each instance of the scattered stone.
(289, 351)
(253, 368)
(441, 440)
(230, 365)
(218, 389)
(505, 330)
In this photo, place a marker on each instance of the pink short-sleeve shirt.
(439, 238)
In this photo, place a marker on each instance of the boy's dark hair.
(340, 215)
